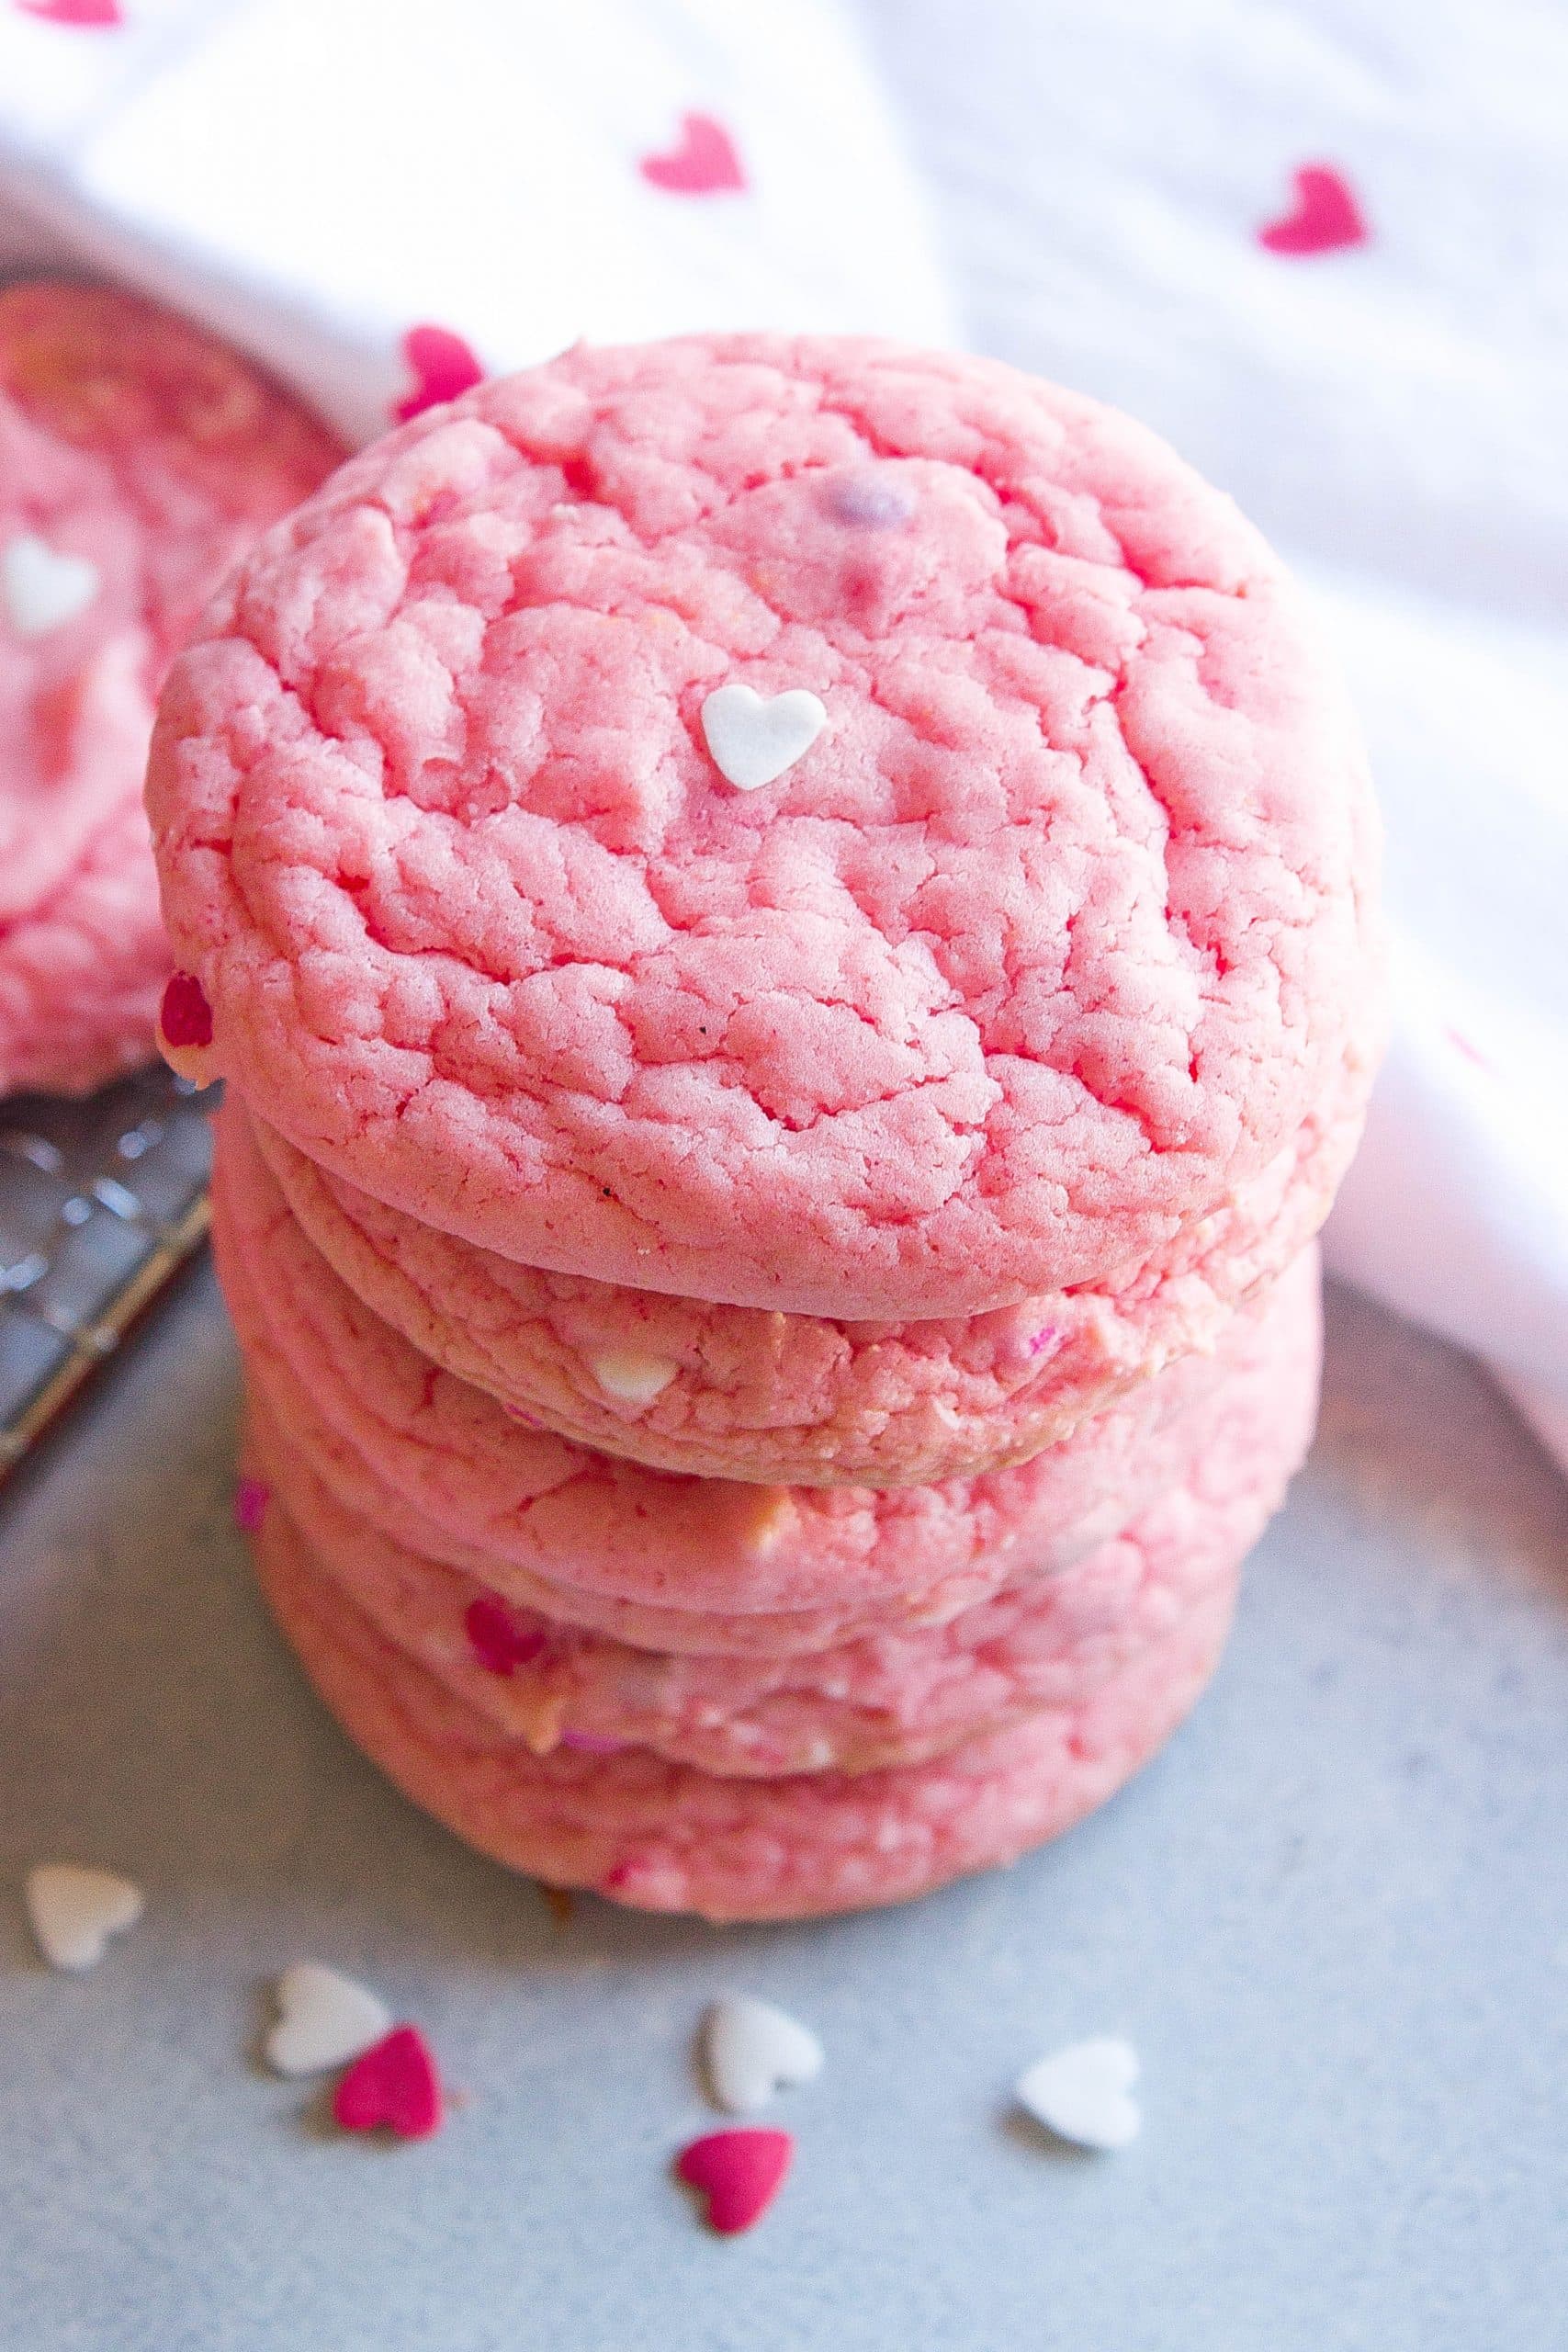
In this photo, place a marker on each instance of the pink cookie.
(684, 1564)
(138, 459)
(1029, 929)
(661, 1837)
(731, 1391)
(81, 975)
(898, 1694)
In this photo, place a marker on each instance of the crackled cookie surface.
(138, 459)
(1023, 933)
(694, 1564)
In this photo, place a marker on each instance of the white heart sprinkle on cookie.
(42, 588)
(750, 2050)
(323, 2020)
(1082, 2093)
(75, 1910)
(633, 1379)
(752, 739)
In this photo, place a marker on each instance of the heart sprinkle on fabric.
(42, 588)
(740, 2173)
(1325, 218)
(251, 1499)
(88, 16)
(1083, 2093)
(750, 2050)
(185, 1017)
(75, 1910)
(500, 1638)
(323, 2020)
(1462, 1044)
(704, 164)
(442, 366)
(753, 740)
(392, 2086)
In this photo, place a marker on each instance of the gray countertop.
(1333, 1918)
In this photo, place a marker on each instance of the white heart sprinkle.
(43, 589)
(636, 1380)
(753, 741)
(750, 2050)
(74, 1911)
(1082, 2093)
(324, 2019)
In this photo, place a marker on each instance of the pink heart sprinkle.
(1043, 1340)
(740, 2173)
(1471, 1053)
(442, 365)
(1325, 218)
(393, 2086)
(498, 1637)
(703, 162)
(251, 1499)
(88, 16)
(184, 1016)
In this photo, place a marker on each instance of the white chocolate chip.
(775, 1514)
(631, 1378)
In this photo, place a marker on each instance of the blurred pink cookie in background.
(138, 459)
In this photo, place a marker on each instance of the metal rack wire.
(101, 1202)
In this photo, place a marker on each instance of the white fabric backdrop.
(1392, 413)
(1107, 194)
(315, 177)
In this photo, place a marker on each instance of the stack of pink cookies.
(787, 924)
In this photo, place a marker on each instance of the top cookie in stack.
(856, 843)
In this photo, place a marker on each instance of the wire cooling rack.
(101, 1202)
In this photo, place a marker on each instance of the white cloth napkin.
(318, 179)
(1116, 190)
(1114, 193)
